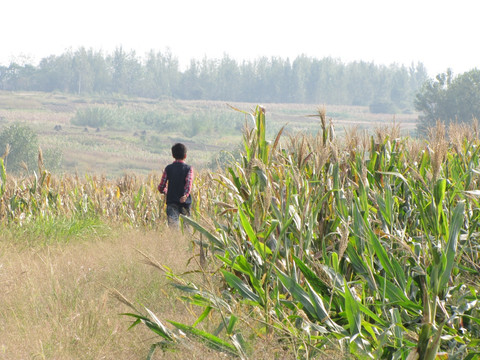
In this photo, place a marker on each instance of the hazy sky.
(438, 33)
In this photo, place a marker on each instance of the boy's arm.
(188, 185)
(162, 187)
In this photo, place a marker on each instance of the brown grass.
(56, 301)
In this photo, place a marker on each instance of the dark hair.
(179, 151)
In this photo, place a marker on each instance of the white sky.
(438, 33)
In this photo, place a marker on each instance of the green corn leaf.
(424, 164)
(208, 339)
(395, 295)
(360, 265)
(311, 303)
(231, 323)
(233, 186)
(138, 197)
(152, 351)
(298, 294)
(352, 310)
(245, 267)
(439, 191)
(241, 264)
(261, 132)
(239, 342)
(381, 253)
(3, 177)
(396, 174)
(202, 298)
(262, 249)
(321, 311)
(202, 316)
(317, 284)
(212, 238)
(156, 326)
(451, 250)
(244, 290)
(160, 325)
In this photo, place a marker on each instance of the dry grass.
(56, 301)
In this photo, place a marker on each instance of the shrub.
(53, 158)
(93, 117)
(22, 144)
(382, 107)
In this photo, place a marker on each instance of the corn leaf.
(212, 238)
(262, 249)
(451, 250)
(202, 316)
(244, 290)
(299, 295)
(352, 310)
(318, 285)
(156, 326)
(208, 339)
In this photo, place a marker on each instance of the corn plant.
(371, 251)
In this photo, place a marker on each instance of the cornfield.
(369, 248)
(129, 199)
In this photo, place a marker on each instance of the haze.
(440, 34)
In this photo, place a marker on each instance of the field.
(135, 135)
(354, 244)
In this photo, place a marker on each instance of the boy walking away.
(176, 183)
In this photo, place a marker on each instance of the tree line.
(449, 99)
(158, 74)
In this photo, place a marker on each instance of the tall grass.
(57, 302)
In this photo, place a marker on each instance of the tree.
(449, 99)
(22, 142)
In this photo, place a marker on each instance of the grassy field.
(137, 134)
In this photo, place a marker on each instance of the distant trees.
(449, 99)
(303, 80)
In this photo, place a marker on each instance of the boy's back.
(177, 174)
(176, 183)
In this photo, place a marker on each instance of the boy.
(179, 177)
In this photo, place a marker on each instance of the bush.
(382, 107)
(53, 158)
(23, 147)
(94, 117)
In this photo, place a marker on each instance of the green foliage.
(449, 99)
(22, 144)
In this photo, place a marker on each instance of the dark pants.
(174, 211)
